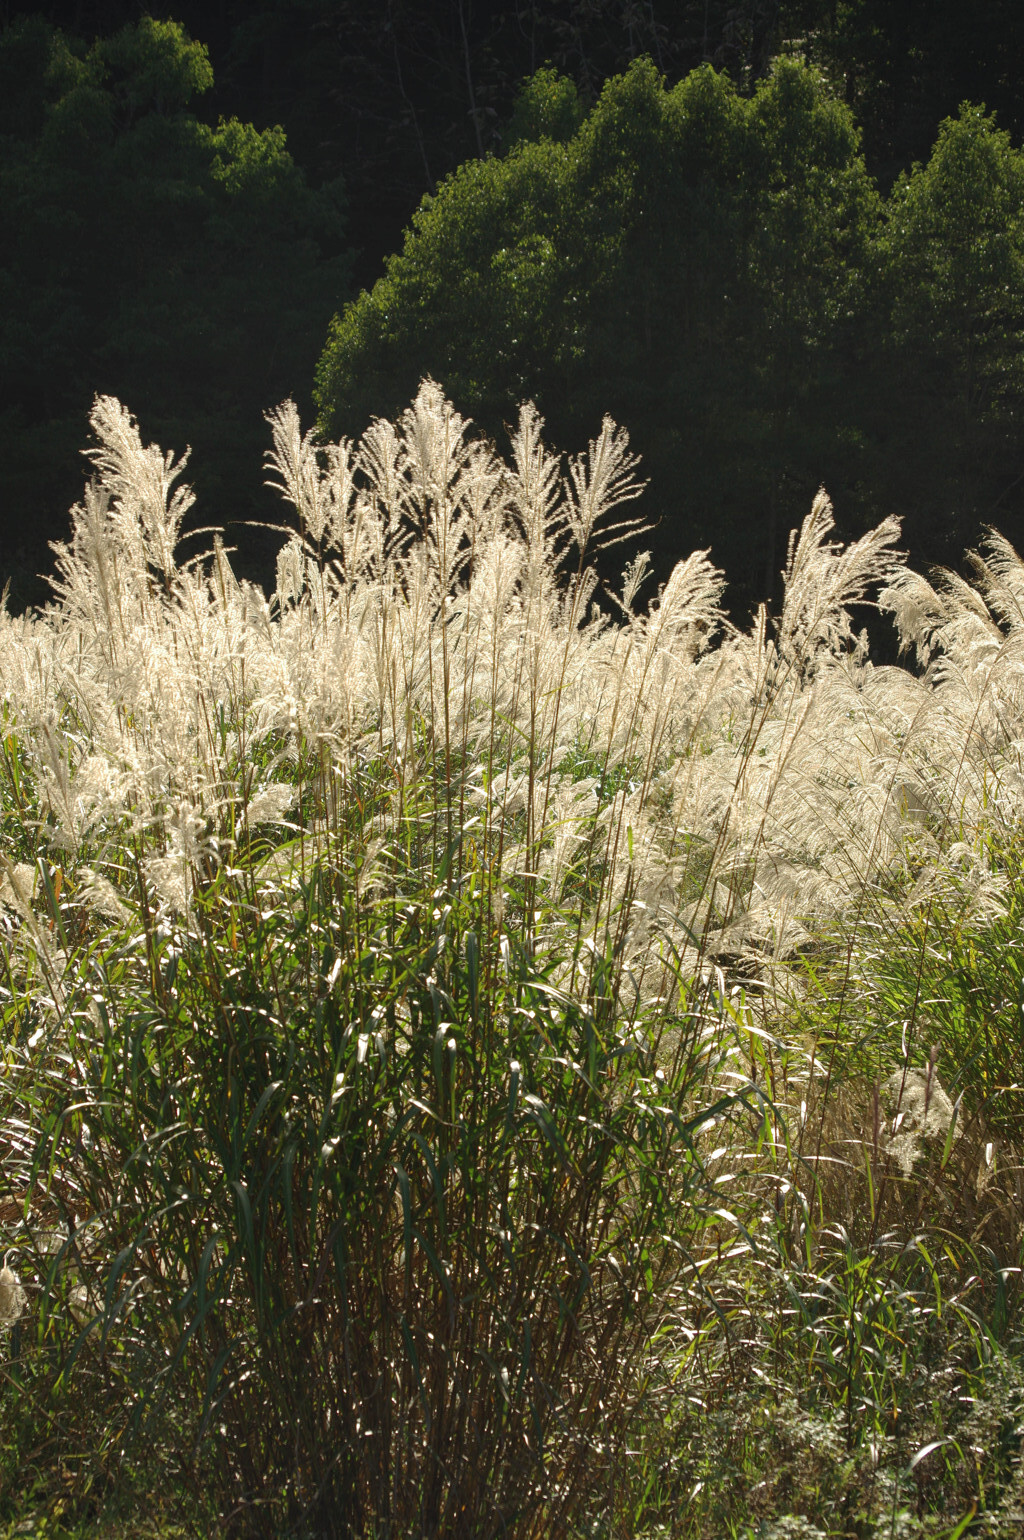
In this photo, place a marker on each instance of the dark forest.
(782, 243)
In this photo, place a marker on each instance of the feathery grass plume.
(12, 1296)
(139, 482)
(600, 483)
(299, 477)
(823, 579)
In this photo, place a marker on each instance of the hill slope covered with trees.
(137, 263)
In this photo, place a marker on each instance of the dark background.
(134, 263)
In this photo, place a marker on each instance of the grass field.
(489, 1055)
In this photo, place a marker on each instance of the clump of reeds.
(396, 971)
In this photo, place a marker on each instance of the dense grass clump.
(480, 1064)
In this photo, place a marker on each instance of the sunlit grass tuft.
(482, 1057)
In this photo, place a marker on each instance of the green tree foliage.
(399, 93)
(956, 241)
(187, 265)
(953, 262)
(686, 258)
(721, 272)
(547, 106)
(904, 65)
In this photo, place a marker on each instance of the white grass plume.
(435, 608)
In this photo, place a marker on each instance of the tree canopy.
(395, 95)
(188, 267)
(683, 259)
(720, 272)
(759, 231)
